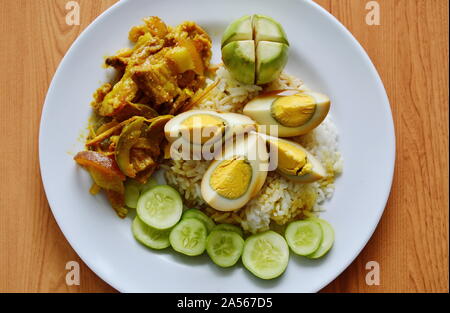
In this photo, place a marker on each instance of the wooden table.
(410, 51)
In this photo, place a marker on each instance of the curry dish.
(157, 79)
(261, 152)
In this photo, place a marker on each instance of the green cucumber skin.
(244, 65)
(302, 250)
(134, 189)
(176, 204)
(151, 182)
(282, 34)
(269, 70)
(238, 245)
(241, 66)
(132, 194)
(230, 32)
(202, 217)
(327, 239)
(230, 227)
(282, 244)
(140, 229)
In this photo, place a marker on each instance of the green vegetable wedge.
(229, 227)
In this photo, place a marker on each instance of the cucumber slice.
(149, 236)
(134, 189)
(132, 193)
(224, 247)
(194, 213)
(266, 255)
(327, 239)
(189, 237)
(304, 237)
(160, 207)
(151, 182)
(230, 227)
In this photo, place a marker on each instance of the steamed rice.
(280, 200)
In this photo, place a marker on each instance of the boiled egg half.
(206, 127)
(291, 112)
(293, 161)
(238, 175)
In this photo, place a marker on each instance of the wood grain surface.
(410, 51)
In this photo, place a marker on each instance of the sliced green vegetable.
(160, 207)
(132, 193)
(267, 29)
(224, 247)
(229, 227)
(194, 213)
(327, 239)
(304, 237)
(151, 182)
(189, 237)
(149, 236)
(266, 255)
(255, 49)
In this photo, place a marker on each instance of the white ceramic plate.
(323, 54)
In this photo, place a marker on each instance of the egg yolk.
(292, 160)
(293, 111)
(203, 127)
(231, 178)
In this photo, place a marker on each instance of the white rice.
(280, 200)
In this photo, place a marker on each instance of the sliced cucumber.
(194, 213)
(160, 207)
(266, 255)
(149, 236)
(151, 182)
(271, 59)
(134, 189)
(327, 239)
(239, 58)
(189, 237)
(304, 237)
(230, 227)
(132, 193)
(224, 247)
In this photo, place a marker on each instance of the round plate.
(323, 54)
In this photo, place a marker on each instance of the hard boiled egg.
(238, 175)
(292, 112)
(255, 49)
(293, 161)
(200, 127)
